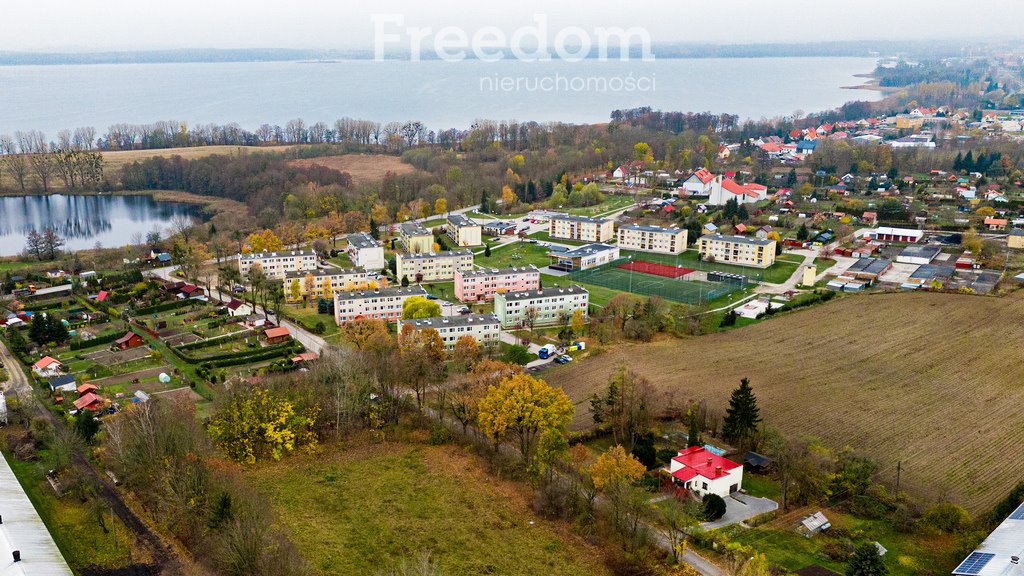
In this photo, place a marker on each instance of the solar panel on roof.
(1018, 514)
(973, 563)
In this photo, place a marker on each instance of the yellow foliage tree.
(525, 408)
(265, 241)
(578, 321)
(254, 423)
(614, 466)
(308, 282)
(440, 206)
(295, 291)
(327, 288)
(508, 198)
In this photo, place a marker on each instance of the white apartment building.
(415, 237)
(484, 328)
(584, 257)
(432, 266)
(581, 228)
(548, 302)
(336, 278)
(463, 231)
(739, 250)
(382, 304)
(652, 239)
(276, 264)
(365, 252)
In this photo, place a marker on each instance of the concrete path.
(740, 507)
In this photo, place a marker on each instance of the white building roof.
(23, 530)
(995, 555)
(281, 254)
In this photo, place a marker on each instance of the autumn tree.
(466, 352)
(626, 407)
(308, 284)
(254, 422)
(440, 206)
(416, 307)
(508, 198)
(361, 331)
(265, 241)
(614, 473)
(523, 407)
(422, 356)
(866, 561)
(579, 322)
(294, 290)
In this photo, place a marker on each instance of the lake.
(84, 220)
(439, 94)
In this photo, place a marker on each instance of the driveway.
(740, 507)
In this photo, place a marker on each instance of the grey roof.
(23, 530)
(321, 272)
(869, 265)
(932, 271)
(280, 254)
(498, 271)
(542, 293)
(362, 240)
(1017, 232)
(579, 218)
(460, 320)
(499, 224)
(921, 251)
(61, 380)
(460, 221)
(650, 228)
(381, 293)
(441, 254)
(413, 229)
(587, 250)
(740, 239)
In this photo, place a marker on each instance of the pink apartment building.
(480, 285)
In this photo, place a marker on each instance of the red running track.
(666, 270)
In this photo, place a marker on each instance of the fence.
(690, 288)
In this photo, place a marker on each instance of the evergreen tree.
(866, 562)
(405, 280)
(484, 202)
(968, 163)
(743, 416)
(487, 250)
(692, 430)
(742, 213)
(374, 230)
(802, 233)
(87, 425)
(791, 178)
(17, 341)
(958, 163)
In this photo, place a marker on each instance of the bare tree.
(33, 143)
(16, 163)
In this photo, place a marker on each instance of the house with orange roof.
(702, 183)
(996, 223)
(48, 367)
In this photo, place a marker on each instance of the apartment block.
(463, 231)
(484, 328)
(549, 304)
(584, 257)
(276, 264)
(652, 239)
(381, 304)
(433, 266)
(581, 228)
(365, 251)
(478, 285)
(334, 279)
(415, 237)
(738, 250)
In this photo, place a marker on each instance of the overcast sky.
(88, 25)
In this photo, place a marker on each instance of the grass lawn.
(308, 317)
(544, 236)
(823, 264)
(761, 486)
(515, 254)
(430, 224)
(599, 295)
(341, 260)
(482, 216)
(73, 525)
(443, 290)
(358, 507)
(908, 554)
(610, 204)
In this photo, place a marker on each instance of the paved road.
(16, 379)
(311, 341)
(740, 507)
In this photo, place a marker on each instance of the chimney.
(17, 555)
(718, 469)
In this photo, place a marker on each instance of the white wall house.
(365, 252)
(484, 328)
(382, 304)
(433, 266)
(581, 228)
(549, 303)
(652, 239)
(463, 231)
(703, 472)
(276, 264)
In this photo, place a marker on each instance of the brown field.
(364, 168)
(114, 160)
(933, 380)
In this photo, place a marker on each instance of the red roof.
(45, 361)
(704, 175)
(125, 339)
(277, 332)
(305, 356)
(995, 221)
(732, 187)
(87, 401)
(101, 296)
(189, 288)
(235, 304)
(86, 388)
(698, 461)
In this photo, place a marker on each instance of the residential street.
(16, 379)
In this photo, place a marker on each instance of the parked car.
(526, 219)
(465, 311)
(431, 297)
(563, 359)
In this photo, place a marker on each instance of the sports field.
(655, 269)
(664, 280)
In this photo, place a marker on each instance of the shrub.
(440, 434)
(516, 354)
(946, 517)
(714, 507)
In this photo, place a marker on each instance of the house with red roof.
(129, 340)
(277, 335)
(237, 307)
(749, 193)
(89, 401)
(996, 223)
(702, 183)
(48, 367)
(704, 472)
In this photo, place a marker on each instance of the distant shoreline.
(872, 84)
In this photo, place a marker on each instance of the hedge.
(263, 354)
(199, 344)
(163, 307)
(242, 354)
(78, 344)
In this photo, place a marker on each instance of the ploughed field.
(935, 381)
(363, 168)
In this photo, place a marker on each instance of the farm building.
(814, 523)
(757, 462)
(62, 383)
(889, 234)
(918, 254)
(86, 388)
(1000, 553)
(704, 472)
(129, 340)
(277, 335)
